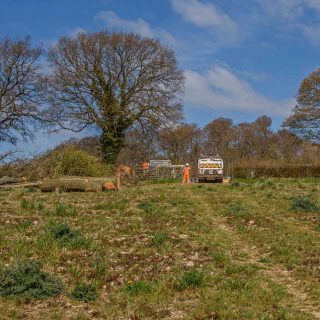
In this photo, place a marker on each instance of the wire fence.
(167, 172)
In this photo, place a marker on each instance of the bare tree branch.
(305, 117)
(20, 88)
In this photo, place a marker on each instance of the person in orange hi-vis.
(186, 173)
(145, 166)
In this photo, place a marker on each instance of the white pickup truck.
(210, 169)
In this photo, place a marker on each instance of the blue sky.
(241, 59)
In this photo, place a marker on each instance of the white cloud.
(204, 15)
(222, 89)
(292, 15)
(139, 26)
(311, 32)
(314, 4)
(114, 21)
(257, 77)
(290, 9)
(75, 31)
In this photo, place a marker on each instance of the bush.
(84, 292)
(63, 160)
(67, 236)
(302, 204)
(191, 279)
(28, 281)
(139, 287)
(80, 163)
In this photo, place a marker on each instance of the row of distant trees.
(129, 89)
(244, 144)
(238, 144)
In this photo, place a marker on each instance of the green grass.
(139, 287)
(220, 259)
(63, 209)
(191, 279)
(247, 250)
(148, 207)
(158, 239)
(30, 205)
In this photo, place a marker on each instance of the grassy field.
(247, 250)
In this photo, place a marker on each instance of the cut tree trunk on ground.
(21, 185)
(106, 182)
(85, 185)
(10, 180)
(94, 179)
(75, 183)
(66, 183)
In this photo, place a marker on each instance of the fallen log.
(95, 179)
(21, 185)
(10, 180)
(65, 184)
(109, 186)
(106, 182)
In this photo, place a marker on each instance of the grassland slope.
(248, 250)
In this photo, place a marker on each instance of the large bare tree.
(113, 81)
(305, 117)
(219, 135)
(182, 143)
(19, 89)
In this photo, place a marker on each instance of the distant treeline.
(276, 171)
(243, 145)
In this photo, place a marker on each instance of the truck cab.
(210, 168)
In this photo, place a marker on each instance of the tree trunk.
(80, 184)
(77, 183)
(111, 145)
